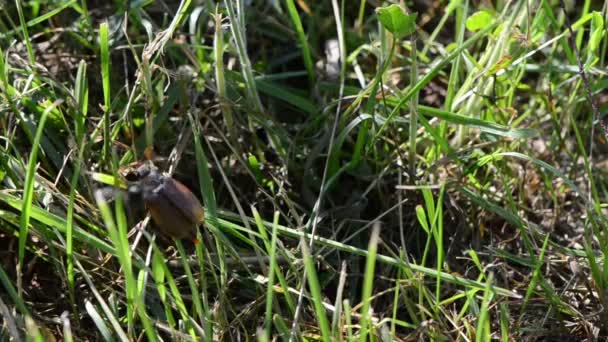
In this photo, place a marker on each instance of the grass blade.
(368, 283)
(315, 291)
(306, 55)
(28, 192)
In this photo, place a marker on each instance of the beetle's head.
(145, 182)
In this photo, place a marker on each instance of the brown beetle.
(173, 207)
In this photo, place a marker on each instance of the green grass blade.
(368, 283)
(315, 291)
(198, 306)
(12, 293)
(104, 46)
(26, 35)
(483, 331)
(305, 48)
(28, 191)
(271, 271)
(208, 193)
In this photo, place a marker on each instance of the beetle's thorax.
(153, 184)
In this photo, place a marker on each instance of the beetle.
(175, 210)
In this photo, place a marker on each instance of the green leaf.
(254, 166)
(421, 215)
(483, 125)
(479, 20)
(597, 31)
(396, 21)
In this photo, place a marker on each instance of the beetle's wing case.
(168, 218)
(183, 199)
